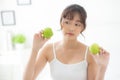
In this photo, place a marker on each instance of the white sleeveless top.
(61, 71)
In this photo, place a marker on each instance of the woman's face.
(72, 28)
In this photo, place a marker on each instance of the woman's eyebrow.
(78, 21)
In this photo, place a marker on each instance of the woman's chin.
(70, 38)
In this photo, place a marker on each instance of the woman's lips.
(71, 34)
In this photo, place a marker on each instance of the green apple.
(94, 48)
(47, 32)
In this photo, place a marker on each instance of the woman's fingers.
(39, 35)
(104, 54)
(102, 51)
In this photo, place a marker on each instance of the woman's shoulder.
(48, 47)
(47, 50)
(91, 58)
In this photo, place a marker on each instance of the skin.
(68, 51)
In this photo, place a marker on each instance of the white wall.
(102, 23)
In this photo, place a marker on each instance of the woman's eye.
(78, 25)
(66, 22)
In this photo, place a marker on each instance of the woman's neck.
(69, 44)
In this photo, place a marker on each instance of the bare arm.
(98, 65)
(101, 73)
(103, 61)
(93, 68)
(31, 67)
(41, 61)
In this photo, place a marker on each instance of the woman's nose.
(71, 28)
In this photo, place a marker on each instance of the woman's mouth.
(70, 34)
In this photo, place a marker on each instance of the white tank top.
(61, 71)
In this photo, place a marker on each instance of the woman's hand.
(38, 41)
(98, 65)
(102, 58)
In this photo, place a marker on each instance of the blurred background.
(20, 19)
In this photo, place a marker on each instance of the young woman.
(69, 59)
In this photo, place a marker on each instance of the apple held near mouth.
(94, 48)
(47, 32)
